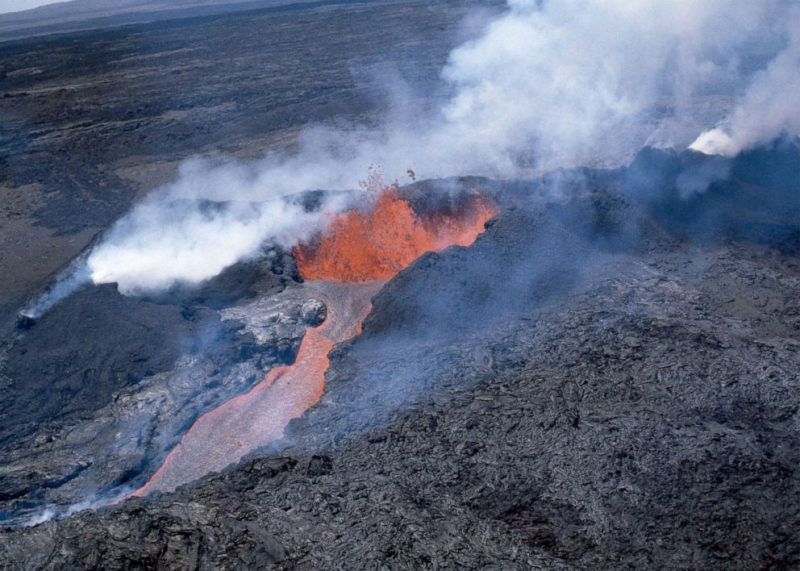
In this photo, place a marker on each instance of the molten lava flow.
(361, 246)
(236, 428)
(354, 257)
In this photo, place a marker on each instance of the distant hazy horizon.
(19, 5)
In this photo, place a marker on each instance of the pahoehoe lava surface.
(607, 382)
(83, 418)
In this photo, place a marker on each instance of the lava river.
(344, 267)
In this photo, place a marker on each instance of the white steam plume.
(547, 84)
(769, 108)
(191, 230)
(91, 503)
(70, 280)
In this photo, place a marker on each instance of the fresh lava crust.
(346, 265)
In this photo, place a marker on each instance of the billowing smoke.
(547, 84)
(193, 229)
(577, 82)
(769, 107)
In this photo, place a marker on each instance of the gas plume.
(546, 84)
(191, 230)
(769, 107)
(70, 280)
(91, 503)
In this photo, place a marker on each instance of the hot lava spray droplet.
(349, 262)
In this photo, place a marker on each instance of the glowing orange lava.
(374, 245)
(357, 253)
(241, 425)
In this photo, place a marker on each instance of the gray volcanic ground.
(630, 403)
(76, 15)
(607, 378)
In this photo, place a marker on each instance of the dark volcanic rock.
(139, 339)
(754, 197)
(102, 386)
(633, 407)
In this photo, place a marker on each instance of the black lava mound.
(606, 379)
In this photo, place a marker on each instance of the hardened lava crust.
(543, 398)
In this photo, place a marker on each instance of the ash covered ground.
(607, 378)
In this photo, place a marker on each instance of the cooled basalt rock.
(649, 419)
(581, 388)
(313, 312)
(92, 419)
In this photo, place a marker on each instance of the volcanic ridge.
(602, 375)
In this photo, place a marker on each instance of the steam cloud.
(70, 280)
(92, 503)
(191, 230)
(769, 107)
(546, 84)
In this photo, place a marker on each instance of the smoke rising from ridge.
(69, 281)
(769, 108)
(579, 82)
(191, 230)
(546, 84)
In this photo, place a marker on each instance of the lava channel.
(349, 263)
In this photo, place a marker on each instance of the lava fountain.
(345, 265)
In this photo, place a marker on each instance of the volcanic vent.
(345, 266)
